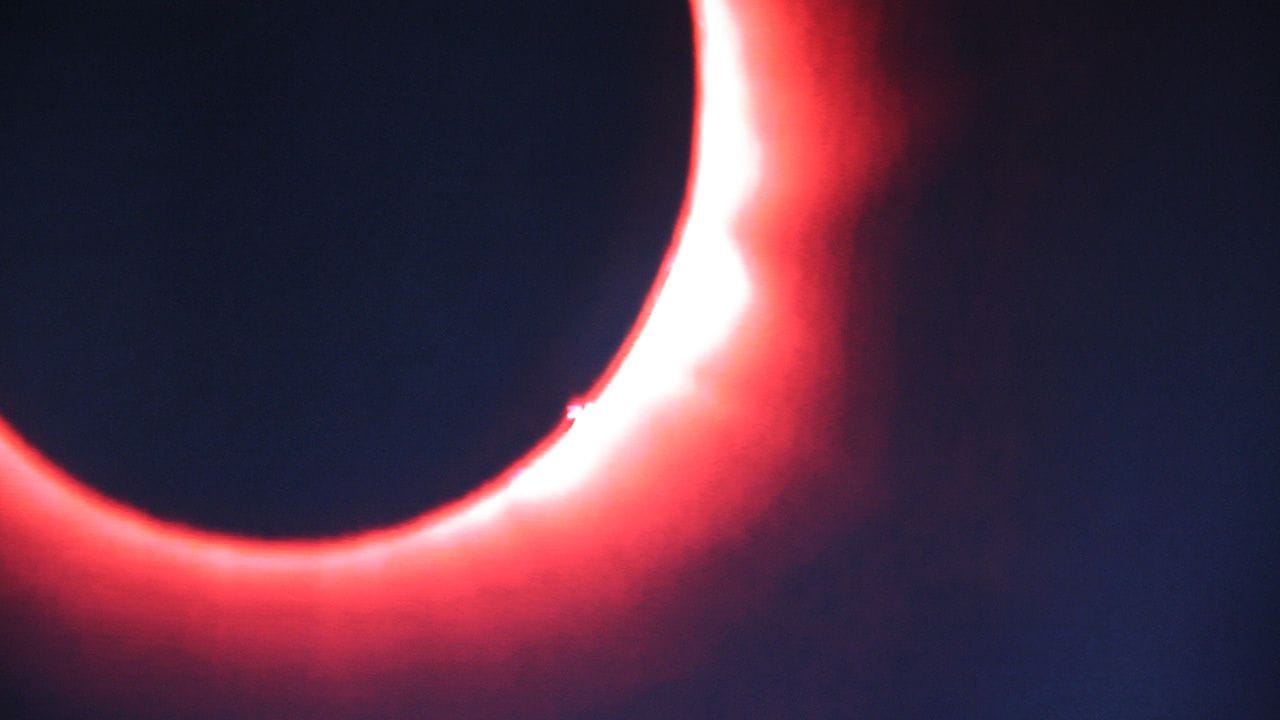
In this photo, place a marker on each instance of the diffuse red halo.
(578, 568)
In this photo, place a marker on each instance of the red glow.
(576, 571)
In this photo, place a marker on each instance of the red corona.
(738, 423)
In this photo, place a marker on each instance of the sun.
(570, 568)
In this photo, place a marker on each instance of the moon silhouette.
(714, 451)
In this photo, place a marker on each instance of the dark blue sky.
(301, 271)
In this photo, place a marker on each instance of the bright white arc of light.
(705, 293)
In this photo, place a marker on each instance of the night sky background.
(289, 270)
